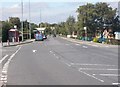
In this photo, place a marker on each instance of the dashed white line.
(95, 45)
(51, 51)
(67, 44)
(77, 44)
(91, 76)
(54, 54)
(57, 57)
(85, 47)
(68, 64)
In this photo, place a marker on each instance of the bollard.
(1, 43)
(8, 43)
(18, 40)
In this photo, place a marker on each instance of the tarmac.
(8, 44)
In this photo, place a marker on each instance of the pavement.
(6, 44)
(61, 61)
(91, 43)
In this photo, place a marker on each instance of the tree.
(15, 21)
(5, 28)
(70, 24)
(95, 16)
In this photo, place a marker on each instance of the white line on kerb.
(95, 69)
(91, 76)
(3, 58)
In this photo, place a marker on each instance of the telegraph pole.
(22, 19)
(29, 21)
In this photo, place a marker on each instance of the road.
(56, 61)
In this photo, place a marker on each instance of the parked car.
(39, 37)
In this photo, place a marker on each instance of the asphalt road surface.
(59, 62)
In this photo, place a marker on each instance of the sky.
(53, 11)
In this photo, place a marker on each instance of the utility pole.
(119, 9)
(40, 17)
(22, 19)
(29, 21)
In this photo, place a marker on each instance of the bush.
(95, 39)
(113, 41)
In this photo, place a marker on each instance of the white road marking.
(34, 51)
(68, 64)
(96, 69)
(57, 57)
(91, 64)
(95, 45)
(116, 83)
(85, 47)
(77, 44)
(5, 68)
(51, 51)
(91, 76)
(109, 74)
(3, 58)
(67, 44)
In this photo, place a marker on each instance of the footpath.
(91, 43)
(7, 44)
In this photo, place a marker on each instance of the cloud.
(50, 11)
(61, 0)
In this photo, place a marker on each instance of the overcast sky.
(53, 11)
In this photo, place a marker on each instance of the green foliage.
(15, 21)
(70, 24)
(94, 16)
(5, 29)
(95, 39)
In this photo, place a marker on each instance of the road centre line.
(3, 58)
(91, 76)
(91, 64)
(96, 69)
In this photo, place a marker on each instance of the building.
(41, 30)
